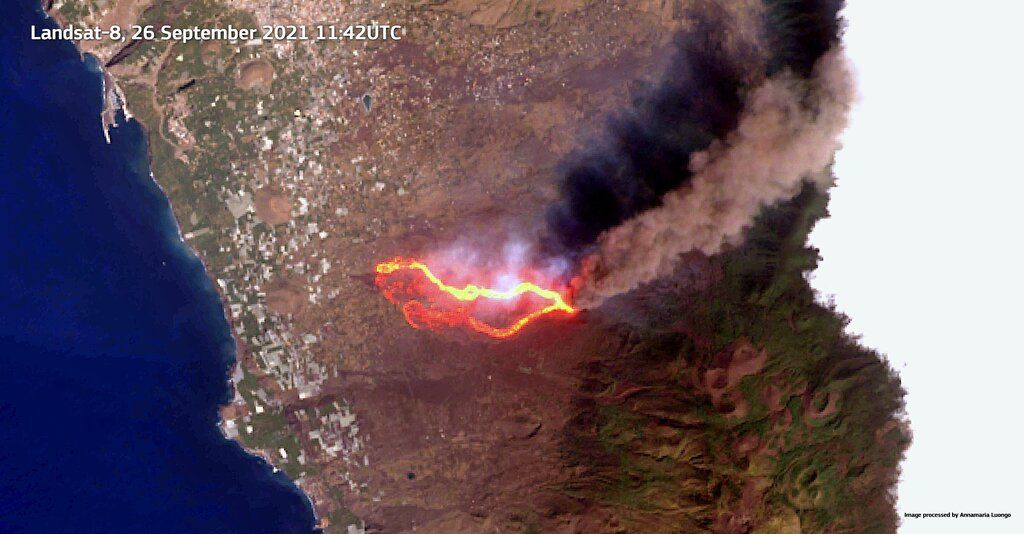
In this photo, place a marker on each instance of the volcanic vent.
(663, 365)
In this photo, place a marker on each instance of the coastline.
(114, 101)
(113, 97)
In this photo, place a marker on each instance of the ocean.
(114, 346)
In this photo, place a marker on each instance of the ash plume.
(731, 128)
(787, 133)
(799, 32)
(647, 149)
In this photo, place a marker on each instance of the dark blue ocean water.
(114, 348)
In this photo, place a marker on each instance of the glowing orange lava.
(438, 314)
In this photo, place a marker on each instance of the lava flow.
(428, 302)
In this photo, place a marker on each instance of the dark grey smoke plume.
(788, 133)
(724, 135)
(648, 148)
(799, 32)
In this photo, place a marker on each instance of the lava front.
(430, 303)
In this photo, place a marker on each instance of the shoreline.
(113, 102)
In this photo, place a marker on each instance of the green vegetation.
(339, 520)
(827, 447)
(270, 430)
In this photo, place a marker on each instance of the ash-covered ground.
(716, 396)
